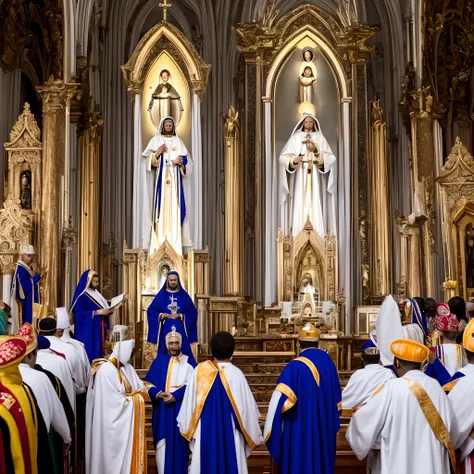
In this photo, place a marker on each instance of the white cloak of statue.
(308, 190)
(164, 189)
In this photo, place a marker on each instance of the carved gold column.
(255, 40)
(233, 238)
(412, 255)
(90, 242)
(55, 95)
(352, 44)
(379, 198)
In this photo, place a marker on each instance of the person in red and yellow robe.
(23, 436)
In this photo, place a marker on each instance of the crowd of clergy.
(67, 396)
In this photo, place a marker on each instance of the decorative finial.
(165, 7)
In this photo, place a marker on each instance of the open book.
(116, 301)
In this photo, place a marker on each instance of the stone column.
(55, 95)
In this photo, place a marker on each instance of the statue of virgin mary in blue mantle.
(172, 307)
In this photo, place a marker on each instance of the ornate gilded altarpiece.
(164, 47)
(21, 208)
(273, 260)
(457, 193)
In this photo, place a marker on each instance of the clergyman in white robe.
(57, 364)
(165, 202)
(213, 386)
(461, 398)
(48, 401)
(307, 194)
(48, 328)
(63, 324)
(362, 386)
(115, 408)
(394, 420)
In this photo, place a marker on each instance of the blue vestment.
(87, 327)
(306, 421)
(187, 327)
(26, 285)
(218, 455)
(164, 416)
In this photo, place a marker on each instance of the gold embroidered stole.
(206, 375)
(433, 418)
(138, 463)
(311, 367)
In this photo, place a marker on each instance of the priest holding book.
(92, 314)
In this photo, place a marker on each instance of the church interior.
(384, 206)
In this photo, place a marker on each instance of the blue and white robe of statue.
(25, 290)
(90, 329)
(168, 213)
(169, 374)
(303, 415)
(158, 328)
(220, 419)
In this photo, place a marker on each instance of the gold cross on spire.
(165, 7)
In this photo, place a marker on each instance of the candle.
(147, 283)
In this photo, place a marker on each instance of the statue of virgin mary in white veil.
(308, 180)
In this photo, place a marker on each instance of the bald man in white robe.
(48, 401)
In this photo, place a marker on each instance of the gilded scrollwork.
(457, 177)
(16, 229)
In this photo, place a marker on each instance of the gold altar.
(394, 104)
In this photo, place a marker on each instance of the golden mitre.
(468, 337)
(309, 332)
(411, 351)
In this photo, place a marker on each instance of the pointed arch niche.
(273, 48)
(166, 47)
(308, 28)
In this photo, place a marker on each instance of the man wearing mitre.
(169, 375)
(115, 415)
(409, 419)
(219, 416)
(303, 415)
(91, 314)
(306, 159)
(172, 308)
(167, 154)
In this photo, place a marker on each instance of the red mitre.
(12, 351)
(28, 334)
(445, 320)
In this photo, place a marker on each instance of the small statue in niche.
(308, 76)
(307, 291)
(470, 259)
(165, 101)
(25, 190)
